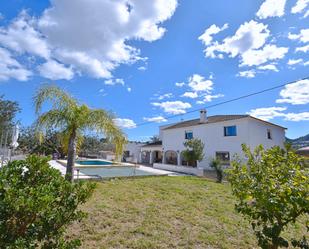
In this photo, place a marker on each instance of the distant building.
(132, 152)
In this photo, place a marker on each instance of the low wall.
(181, 169)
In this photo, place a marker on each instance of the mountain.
(299, 142)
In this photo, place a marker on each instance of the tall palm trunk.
(71, 157)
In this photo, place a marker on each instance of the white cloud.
(247, 74)
(11, 68)
(292, 62)
(209, 97)
(179, 84)
(250, 35)
(300, 6)
(302, 116)
(303, 36)
(164, 96)
(295, 93)
(102, 92)
(157, 119)
(129, 89)
(113, 82)
(252, 72)
(173, 107)
(55, 71)
(249, 43)
(22, 37)
(304, 49)
(271, 8)
(206, 37)
(125, 123)
(199, 84)
(102, 33)
(142, 68)
(200, 88)
(267, 113)
(89, 36)
(192, 95)
(270, 67)
(267, 53)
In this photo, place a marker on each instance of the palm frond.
(51, 119)
(59, 98)
(102, 121)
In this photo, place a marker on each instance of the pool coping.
(113, 165)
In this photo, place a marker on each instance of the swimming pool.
(106, 169)
(93, 162)
(116, 171)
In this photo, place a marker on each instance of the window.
(230, 131)
(224, 157)
(269, 135)
(188, 134)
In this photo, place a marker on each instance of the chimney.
(203, 116)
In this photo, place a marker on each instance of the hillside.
(299, 142)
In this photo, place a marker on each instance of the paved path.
(62, 169)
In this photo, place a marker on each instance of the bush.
(216, 164)
(37, 203)
(272, 191)
(194, 151)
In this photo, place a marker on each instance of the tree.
(93, 144)
(29, 142)
(272, 191)
(37, 204)
(217, 165)
(194, 151)
(154, 139)
(73, 118)
(8, 111)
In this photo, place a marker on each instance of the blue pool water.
(117, 171)
(94, 162)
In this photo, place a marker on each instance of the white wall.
(249, 131)
(258, 134)
(134, 148)
(181, 169)
(161, 128)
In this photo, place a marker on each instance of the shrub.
(272, 191)
(37, 203)
(216, 164)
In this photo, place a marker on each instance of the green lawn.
(164, 212)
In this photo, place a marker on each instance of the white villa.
(222, 136)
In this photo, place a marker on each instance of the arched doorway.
(157, 156)
(145, 157)
(171, 157)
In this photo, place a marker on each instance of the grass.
(164, 212)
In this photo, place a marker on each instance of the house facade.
(222, 136)
(132, 152)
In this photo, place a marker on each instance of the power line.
(227, 101)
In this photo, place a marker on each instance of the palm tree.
(73, 118)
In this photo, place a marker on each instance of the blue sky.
(146, 60)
